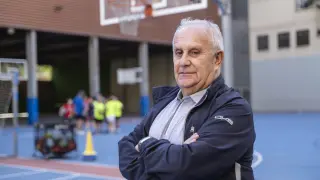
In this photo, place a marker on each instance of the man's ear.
(219, 56)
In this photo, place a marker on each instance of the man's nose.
(184, 61)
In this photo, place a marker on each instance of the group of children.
(96, 111)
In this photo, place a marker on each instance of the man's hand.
(192, 139)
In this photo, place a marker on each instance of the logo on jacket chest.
(192, 130)
(225, 119)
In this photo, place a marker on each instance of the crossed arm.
(216, 150)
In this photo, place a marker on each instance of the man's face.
(194, 59)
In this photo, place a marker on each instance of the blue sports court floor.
(287, 148)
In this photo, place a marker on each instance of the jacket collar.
(163, 92)
(215, 87)
(196, 97)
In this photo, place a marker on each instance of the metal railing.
(5, 116)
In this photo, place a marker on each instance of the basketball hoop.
(113, 12)
(129, 20)
(148, 10)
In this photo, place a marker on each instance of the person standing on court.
(111, 113)
(66, 111)
(98, 113)
(200, 130)
(89, 116)
(118, 108)
(78, 102)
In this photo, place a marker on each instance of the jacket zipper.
(169, 122)
(192, 130)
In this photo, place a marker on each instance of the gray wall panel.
(286, 85)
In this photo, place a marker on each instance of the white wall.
(274, 53)
(270, 17)
(273, 13)
(284, 80)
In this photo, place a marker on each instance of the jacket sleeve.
(223, 139)
(130, 164)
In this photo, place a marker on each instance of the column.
(144, 85)
(226, 19)
(94, 71)
(32, 99)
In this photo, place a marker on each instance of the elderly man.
(200, 130)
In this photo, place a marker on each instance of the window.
(303, 37)
(195, 1)
(263, 42)
(283, 40)
(304, 4)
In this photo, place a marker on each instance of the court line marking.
(90, 164)
(60, 171)
(258, 161)
(254, 164)
(75, 162)
(28, 173)
(72, 176)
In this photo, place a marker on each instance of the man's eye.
(195, 52)
(179, 52)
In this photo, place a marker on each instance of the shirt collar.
(196, 97)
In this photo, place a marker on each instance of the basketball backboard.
(134, 9)
(8, 65)
(129, 75)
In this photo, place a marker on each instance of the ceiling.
(54, 47)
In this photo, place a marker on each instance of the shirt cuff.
(144, 139)
(141, 141)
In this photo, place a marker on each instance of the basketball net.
(129, 21)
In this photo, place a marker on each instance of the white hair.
(216, 35)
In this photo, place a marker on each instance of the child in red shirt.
(67, 110)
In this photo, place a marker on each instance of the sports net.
(128, 19)
(8, 123)
(5, 98)
(7, 141)
(129, 13)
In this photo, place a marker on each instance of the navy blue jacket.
(224, 150)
